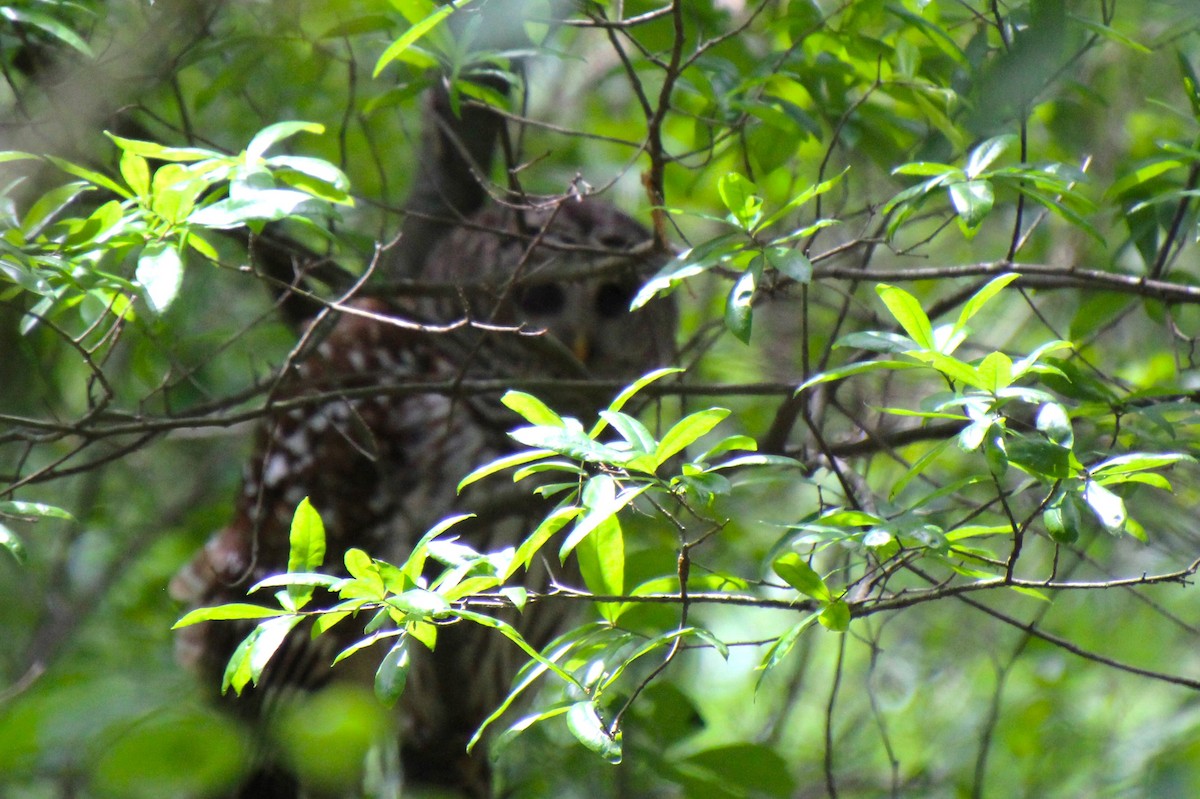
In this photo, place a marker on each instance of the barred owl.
(380, 458)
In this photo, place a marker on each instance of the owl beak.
(581, 347)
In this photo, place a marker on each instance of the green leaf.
(741, 198)
(972, 200)
(660, 642)
(1061, 518)
(1053, 420)
(500, 464)
(796, 572)
(538, 538)
(370, 640)
(414, 566)
(10, 541)
(532, 409)
(689, 263)
(306, 539)
(630, 429)
(413, 34)
(368, 581)
(602, 501)
(756, 460)
(802, 198)
(267, 205)
(556, 650)
(569, 442)
(836, 616)
(779, 650)
(601, 558)
(734, 443)
(996, 454)
(1107, 507)
(273, 134)
(136, 172)
(314, 579)
(584, 722)
(739, 306)
(160, 272)
(392, 674)
(1136, 462)
(43, 210)
(33, 510)
(982, 297)
(986, 154)
(791, 263)
(511, 633)
(420, 602)
(630, 392)
(952, 368)
(46, 24)
(995, 372)
(91, 176)
(906, 310)
(306, 548)
(159, 152)
(1142, 175)
(227, 612)
(175, 189)
(738, 769)
(927, 169)
(687, 430)
(1112, 34)
(842, 372)
(323, 176)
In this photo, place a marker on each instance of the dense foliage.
(909, 519)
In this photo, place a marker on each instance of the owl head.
(570, 271)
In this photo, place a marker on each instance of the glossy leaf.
(906, 310)
(687, 431)
(796, 572)
(11, 542)
(588, 728)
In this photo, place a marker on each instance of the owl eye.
(612, 300)
(546, 298)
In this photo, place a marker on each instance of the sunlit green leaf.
(601, 558)
(741, 199)
(585, 724)
(630, 392)
(1107, 507)
(413, 34)
(982, 297)
(687, 431)
(972, 200)
(392, 674)
(226, 612)
(501, 464)
(160, 271)
(986, 154)
(796, 572)
(531, 409)
(11, 542)
(33, 510)
(906, 310)
(836, 616)
(275, 133)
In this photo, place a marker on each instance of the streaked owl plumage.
(381, 459)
